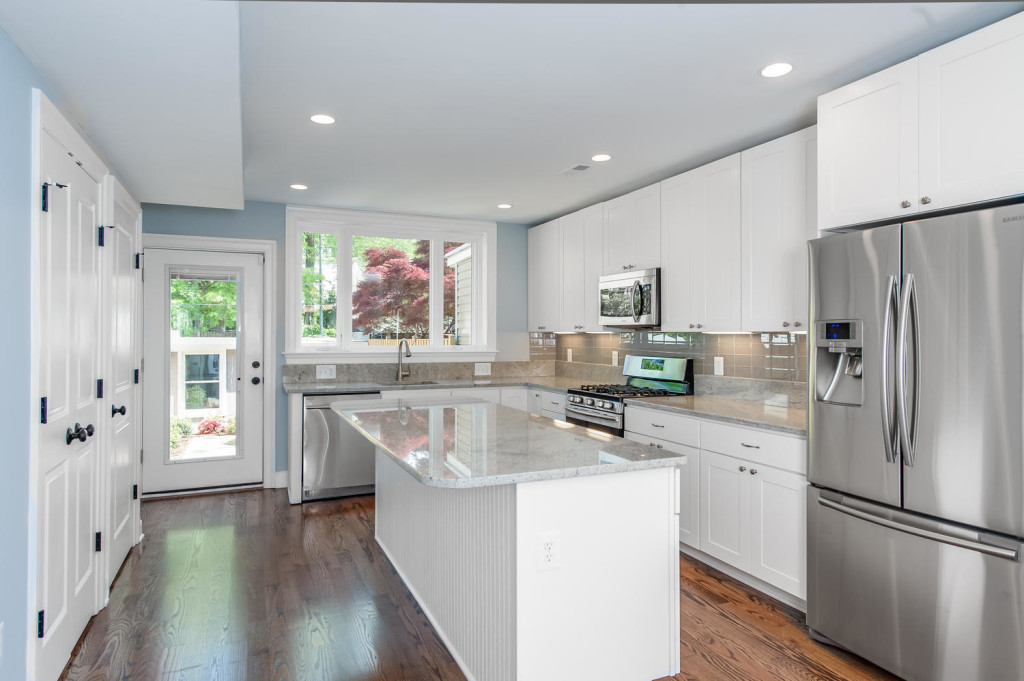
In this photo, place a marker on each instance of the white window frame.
(345, 223)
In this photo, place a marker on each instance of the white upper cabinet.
(700, 239)
(867, 148)
(971, 101)
(544, 283)
(582, 239)
(632, 231)
(778, 219)
(940, 130)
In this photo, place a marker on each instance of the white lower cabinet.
(486, 394)
(753, 517)
(514, 398)
(546, 403)
(689, 486)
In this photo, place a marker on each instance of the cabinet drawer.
(684, 430)
(552, 402)
(755, 445)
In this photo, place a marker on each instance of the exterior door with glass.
(203, 388)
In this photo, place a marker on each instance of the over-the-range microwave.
(631, 299)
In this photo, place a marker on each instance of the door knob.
(90, 430)
(77, 434)
(255, 380)
(114, 411)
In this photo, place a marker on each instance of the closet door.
(69, 454)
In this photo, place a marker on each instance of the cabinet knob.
(700, 326)
(753, 471)
(785, 325)
(796, 323)
(691, 326)
(925, 200)
(625, 267)
(743, 469)
(905, 204)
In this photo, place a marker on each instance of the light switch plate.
(568, 352)
(719, 366)
(615, 358)
(482, 368)
(326, 371)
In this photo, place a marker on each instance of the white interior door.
(121, 282)
(203, 341)
(69, 366)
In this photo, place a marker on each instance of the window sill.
(388, 357)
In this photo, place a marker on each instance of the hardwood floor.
(244, 586)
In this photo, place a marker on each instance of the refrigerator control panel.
(839, 335)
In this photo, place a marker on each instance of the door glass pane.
(204, 344)
(458, 293)
(319, 287)
(390, 295)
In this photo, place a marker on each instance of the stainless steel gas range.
(601, 406)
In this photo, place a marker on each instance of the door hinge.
(136, 377)
(99, 239)
(135, 492)
(99, 388)
(40, 628)
(99, 542)
(42, 410)
(46, 194)
(140, 456)
(138, 261)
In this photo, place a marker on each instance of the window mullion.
(343, 313)
(436, 294)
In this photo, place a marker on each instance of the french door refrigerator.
(915, 441)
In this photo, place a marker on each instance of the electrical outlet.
(569, 353)
(482, 368)
(326, 371)
(548, 552)
(719, 366)
(615, 358)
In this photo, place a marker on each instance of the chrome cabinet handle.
(743, 469)
(905, 204)
(750, 446)
(925, 200)
(892, 300)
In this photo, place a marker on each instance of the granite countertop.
(448, 442)
(550, 383)
(791, 420)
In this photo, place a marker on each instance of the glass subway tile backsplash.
(771, 355)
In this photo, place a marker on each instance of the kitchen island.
(538, 549)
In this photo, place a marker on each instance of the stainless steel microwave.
(631, 299)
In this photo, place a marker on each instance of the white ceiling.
(450, 109)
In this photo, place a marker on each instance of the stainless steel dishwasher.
(337, 461)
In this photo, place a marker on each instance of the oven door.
(604, 422)
(630, 299)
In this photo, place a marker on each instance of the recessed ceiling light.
(299, 186)
(600, 158)
(504, 206)
(322, 119)
(775, 70)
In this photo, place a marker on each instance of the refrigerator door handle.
(988, 549)
(892, 300)
(907, 424)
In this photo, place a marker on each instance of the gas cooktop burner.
(625, 390)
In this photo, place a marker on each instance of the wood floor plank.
(243, 586)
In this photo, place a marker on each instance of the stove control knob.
(589, 401)
(606, 405)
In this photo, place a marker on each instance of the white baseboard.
(740, 576)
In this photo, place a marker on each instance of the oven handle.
(611, 420)
(636, 293)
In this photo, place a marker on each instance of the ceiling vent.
(576, 169)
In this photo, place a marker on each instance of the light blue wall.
(266, 221)
(17, 415)
(257, 220)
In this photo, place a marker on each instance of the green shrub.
(175, 438)
(230, 427)
(182, 425)
(195, 397)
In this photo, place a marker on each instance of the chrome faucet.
(402, 371)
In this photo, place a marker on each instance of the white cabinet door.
(516, 398)
(632, 231)
(725, 509)
(573, 236)
(867, 148)
(689, 486)
(972, 140)
(722, 224)
(593, 264)
(535, 400)
(775, 233)
(779, 522)
(486, 394)
(544, 283)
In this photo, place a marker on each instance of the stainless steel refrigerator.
(916, 445)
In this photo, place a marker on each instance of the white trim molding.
(268, 249)
(346, 223)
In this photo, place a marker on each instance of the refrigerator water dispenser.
(839, 362)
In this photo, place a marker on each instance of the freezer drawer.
(337, 460)
(892, 588)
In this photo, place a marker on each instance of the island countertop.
(452, 442)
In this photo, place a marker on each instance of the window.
(359, 283)
(202, 381)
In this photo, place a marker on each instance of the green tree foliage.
(319, 297)
(203, 307)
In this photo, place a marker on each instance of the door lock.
(256, 364)
(255, 380)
